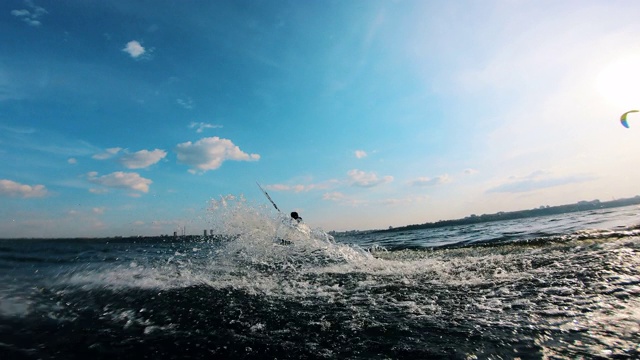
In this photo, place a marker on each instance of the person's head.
(294, 215)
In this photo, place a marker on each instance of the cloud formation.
(185, 103)
(360, 154)
(107, 154)
(403, 201)
(333, 196)
(137, 160)
(134, 49)
(535, 181)
(121, 180)
(302, 187)
(32, 15)
(10, 188)
(142, 158)
(426, 181)
(363, 179)
(200, 126)
(209, 153)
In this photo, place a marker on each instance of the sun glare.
(619, 83)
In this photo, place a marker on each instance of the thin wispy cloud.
(107, 154)
(403, 201)
(11, 188)
(44, 141)
(209, 154)
(137, 160)
(17, 130)
(360, 154)
(427, 181)
(142, 159)
(31, 15)
(360, 178)
(333, 196)
(201, 126)
(303, 187)
(343, 199)
(121, 180)
(186, 103)
(536, 181)
(134, 49)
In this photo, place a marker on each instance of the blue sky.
(127, 117)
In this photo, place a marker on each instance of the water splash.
(257, 238)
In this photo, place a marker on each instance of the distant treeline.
(541, 211)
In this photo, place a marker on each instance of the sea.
(554, 287)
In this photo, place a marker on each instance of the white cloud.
(302, 187)
(18, 130)
(343, 199)
(32, 15)
(535, 181)
(98, 210)
(425, 181)
(107, 154)
(209, 153)
(200, 126)
(137, 160)
(121, 180)
(404, 201)
(360, 154)
(72, 161)
(142, 158)
(333, 196)
(134, 49)
(13, 189)
(283, 187)
(362, 179)
(19, 13)
(186, 103)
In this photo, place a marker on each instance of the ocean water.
(562, 287)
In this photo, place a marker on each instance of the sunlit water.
(561, 287)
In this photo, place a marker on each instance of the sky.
(124, 118)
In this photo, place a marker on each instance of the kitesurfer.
(296, 217)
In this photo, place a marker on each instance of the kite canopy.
(623, 118)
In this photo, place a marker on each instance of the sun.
(619, 83)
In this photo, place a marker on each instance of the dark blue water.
(561, 287)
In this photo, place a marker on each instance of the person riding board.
(296, 217)
(296, 221)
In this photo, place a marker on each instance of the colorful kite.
(623, 118)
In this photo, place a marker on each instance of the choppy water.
(541, 288)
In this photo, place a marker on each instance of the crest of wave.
(258, 238)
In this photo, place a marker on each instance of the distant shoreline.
(469, 220)
(520, 214)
